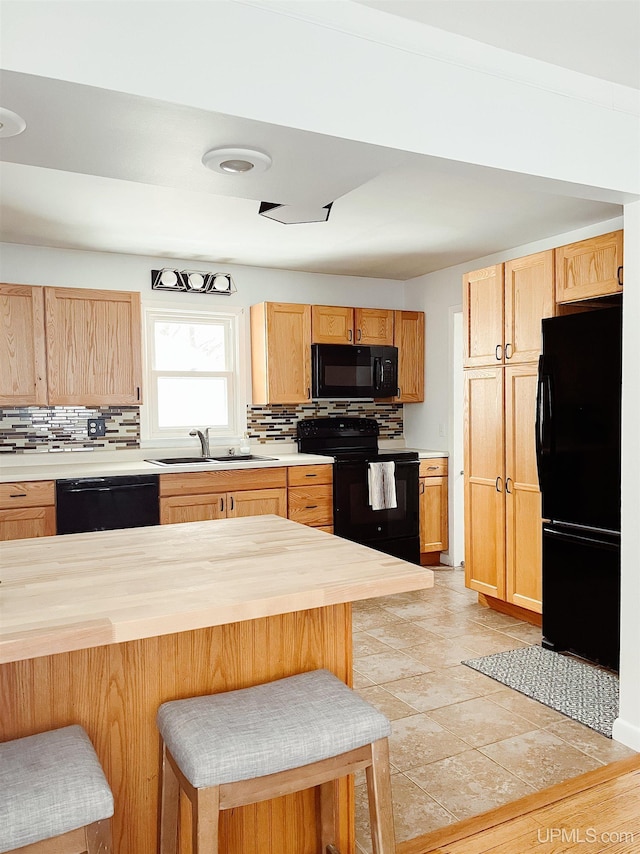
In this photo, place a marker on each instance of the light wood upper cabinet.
(94, 350)
(484, 509)
(409, 339)
(22, 346)
(337, 324)
(503, 307)
(590, 268)
(281, 352)
(483, 316)
(332, 324)
(528, 297)
(374, 326)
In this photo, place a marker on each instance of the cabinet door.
(192, 508)
(529, 296)
(483, 317)
(331, 324)
(409, 339)
(94, 355)
(484, 512)
(374, 326)
(257, 502)
(22, 346)
(589, 268)
(433, 514)
(27, 522)
(522, 494)
(281, 352)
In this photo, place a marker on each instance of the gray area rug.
(579, 690)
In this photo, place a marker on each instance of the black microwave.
(351, 371)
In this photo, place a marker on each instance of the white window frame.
(154, 436)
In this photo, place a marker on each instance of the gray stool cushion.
(50, 783)
(239, 735)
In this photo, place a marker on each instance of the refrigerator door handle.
(577, 538)
(544, 415)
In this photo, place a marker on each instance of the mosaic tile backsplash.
(30, 428)
(278, 422)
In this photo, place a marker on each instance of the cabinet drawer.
(310, 475)
(23, 523)
(433, 468)
(229, 480)
(35, 493)
(311, 505)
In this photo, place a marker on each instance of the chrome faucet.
(204, 440)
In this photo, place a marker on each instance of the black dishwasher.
(106, 503)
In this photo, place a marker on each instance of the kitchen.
(64, 268)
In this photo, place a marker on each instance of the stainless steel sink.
(185, 461)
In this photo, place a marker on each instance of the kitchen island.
(101, 628)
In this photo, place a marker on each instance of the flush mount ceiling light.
(195, 281)
(236, 161)
(294, 214)
(11, 124)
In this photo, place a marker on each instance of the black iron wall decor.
(195, 281)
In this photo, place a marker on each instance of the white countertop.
(75, 464)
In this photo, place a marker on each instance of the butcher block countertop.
(77, 591)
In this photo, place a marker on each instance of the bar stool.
(54, 798)
(241, 747)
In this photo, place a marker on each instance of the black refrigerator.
(578, 453)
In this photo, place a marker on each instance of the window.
(192, 374)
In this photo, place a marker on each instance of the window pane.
(189, 346)
(192, 402)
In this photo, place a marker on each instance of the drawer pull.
(311, 506)
(311, 475)
(18, 495)
(431, 468)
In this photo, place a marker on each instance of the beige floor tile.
(469, 783)
(480, 722)
(360, 682)
(402, 634)
(414, 812)
(418, 740)
(524, 631)
(441, 653)
(589, 741)
(484, 640)
(532, 710)
(477, 682)
(371, 617)
(389, 666)
(386, 702)
(430, 691)
(366, 644)
(540, 758)
(495, 618)
(418, 609)
(447, 624)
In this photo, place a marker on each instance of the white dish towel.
(382, 486)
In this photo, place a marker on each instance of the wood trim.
(510, 610)
(228, 480)
(434, 842)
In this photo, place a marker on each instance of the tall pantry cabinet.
(503, 306)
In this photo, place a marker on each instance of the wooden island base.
(114, 692)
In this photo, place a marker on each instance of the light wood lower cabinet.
(503, 525)
(434, 528)
(199, 496)
(310, 495)
(27, 510)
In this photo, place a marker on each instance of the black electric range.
(353, 445)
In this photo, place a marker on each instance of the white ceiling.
(96, 170)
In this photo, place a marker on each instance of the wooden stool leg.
(205, 811)
(169, 807)
(99, 837)
(380, 803)
(327, 810)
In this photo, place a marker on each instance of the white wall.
(345, 70)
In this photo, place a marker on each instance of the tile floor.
(461, 742)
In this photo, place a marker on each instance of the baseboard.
(626, 733)
(510, 610)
